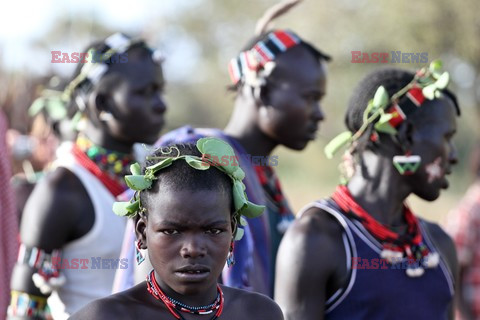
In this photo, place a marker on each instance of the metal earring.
(230, 257)
(140, 258)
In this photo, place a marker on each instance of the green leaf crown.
(209, 147)
(426, 84)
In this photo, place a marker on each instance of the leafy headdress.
(209, 148)
(387, 113)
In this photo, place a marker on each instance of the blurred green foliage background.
(198, 37)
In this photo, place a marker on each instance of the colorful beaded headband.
(55, 102)
(210, 148)
(247, 66)
(389, 113)
(94, 70)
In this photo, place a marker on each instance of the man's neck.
(102, 139)
(382, 194)
(243, 126)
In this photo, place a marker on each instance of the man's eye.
(214, 231)
(170, 231)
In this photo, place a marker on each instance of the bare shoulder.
(251, 305)
(316, 221)
(310, 264)
(314, 229)
(56, 204)
(123, 305)
(112, 307)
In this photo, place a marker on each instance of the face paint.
(434, 170)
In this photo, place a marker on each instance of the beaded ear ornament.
(211, 148)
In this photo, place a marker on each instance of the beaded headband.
(389, 113)
(210, 148)
(249, 64)
(55, 102)
(94, 70)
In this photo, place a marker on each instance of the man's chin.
(297, 145)
(429, 196)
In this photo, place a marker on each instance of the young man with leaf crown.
(279, 81)
(188, 212)
(363, 254)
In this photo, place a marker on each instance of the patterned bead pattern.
(114, 164)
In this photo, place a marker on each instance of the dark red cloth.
(8, 221)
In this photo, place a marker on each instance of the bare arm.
(260, 307)
(308, 256)
(52, 217)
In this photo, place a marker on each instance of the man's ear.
(261, 95)
(141, 230)
(101, 104)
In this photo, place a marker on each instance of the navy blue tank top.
(377, 290)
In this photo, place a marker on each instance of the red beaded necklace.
(108, 166)
(174, 306)
(395, 246)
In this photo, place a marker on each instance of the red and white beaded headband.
(246, 67)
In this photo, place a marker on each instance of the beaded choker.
(395, 246)
(175, 306)
(109, 166)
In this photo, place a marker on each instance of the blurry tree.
(199, 37)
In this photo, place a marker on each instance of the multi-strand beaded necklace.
(395, 246)
(108, 166)
(175, 306)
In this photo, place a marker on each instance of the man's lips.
(193, 273)
(195, 268)
(312, 132)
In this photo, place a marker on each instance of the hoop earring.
(138, 254)
(230, 257)
(407, 164)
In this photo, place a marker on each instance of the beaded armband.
(26, 305)
(47, 278)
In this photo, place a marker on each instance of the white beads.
(415, 272)
(391, 256)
